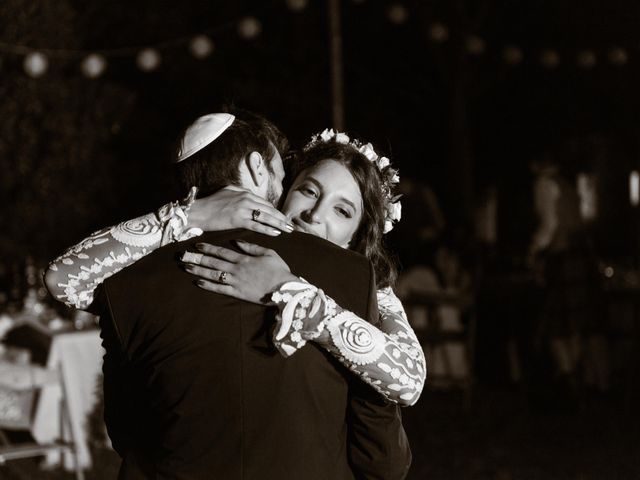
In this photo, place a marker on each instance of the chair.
(434, 336)
(18, 386)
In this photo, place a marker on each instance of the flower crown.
(388, 176)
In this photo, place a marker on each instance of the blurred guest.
(445, 276)
(563, 256)
(423, 222)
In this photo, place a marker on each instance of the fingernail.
(190, 257)
(200, 283)
(199, 245)
(290, 226)
(276, 231)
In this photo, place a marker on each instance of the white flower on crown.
(388, 226)
(383, 162)
(342, 138)
(368, 151)
(390, 177)
(395, 211)
(326, 135)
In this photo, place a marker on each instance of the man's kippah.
(202, 132)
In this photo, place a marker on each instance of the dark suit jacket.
(194, 388)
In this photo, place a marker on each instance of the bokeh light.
(475, 45)
(398, 14)
(249, 28)
(439, 32)
(550, 59)
(94, 65)
(512, 55)
(36, 64)
(297, 5)
(148, 59)
(201, 46)
(586, 59)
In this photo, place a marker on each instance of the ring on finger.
(223, 278)
(255, 214)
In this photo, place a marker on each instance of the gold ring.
(255, 214)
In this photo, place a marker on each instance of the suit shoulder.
(313, 247)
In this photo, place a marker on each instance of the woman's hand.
(234, 207)
(251, 276)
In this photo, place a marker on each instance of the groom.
(193, 387)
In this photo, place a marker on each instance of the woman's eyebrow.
(349, 202)
(342, 199)
(314, 181)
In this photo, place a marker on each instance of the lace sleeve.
(73, 277)
(389, 358)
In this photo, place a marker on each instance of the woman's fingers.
(218, 276)
(220, 252)
(265, 229)
(252, 248)
(257, 214)
(207, 261)
(217, 288)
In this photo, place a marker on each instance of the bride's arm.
(388, 357)
(73, 277)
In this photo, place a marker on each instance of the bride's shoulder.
(387, 298)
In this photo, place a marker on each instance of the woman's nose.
(314, 214)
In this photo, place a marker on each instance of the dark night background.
(77, 154)
(458, 121)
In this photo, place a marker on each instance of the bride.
(342, 191)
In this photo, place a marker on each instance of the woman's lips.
(300, 227)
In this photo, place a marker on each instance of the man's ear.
(257, 168)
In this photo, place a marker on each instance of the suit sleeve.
(117, 405)
(378, 445)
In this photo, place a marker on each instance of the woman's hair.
(217, 165)
(368, 238)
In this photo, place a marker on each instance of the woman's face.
(325, 201)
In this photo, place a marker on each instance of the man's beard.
(272, 194)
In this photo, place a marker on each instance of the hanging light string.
(148, 57)
(201, 45)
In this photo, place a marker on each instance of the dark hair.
(368, 238)
(216, 165)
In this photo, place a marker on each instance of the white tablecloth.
(79, 355)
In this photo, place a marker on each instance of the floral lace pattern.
(389, 358)
(82, 268)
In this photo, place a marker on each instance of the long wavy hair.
(368, 238)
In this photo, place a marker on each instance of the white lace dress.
(388, 358)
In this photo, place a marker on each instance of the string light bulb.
(586, 59)
(512, 55)
(148, 59)
(297, 5)
(475, 45)
(93, 65)
(249, 28)
(550, 59)
(439, 32)
(201, 46)
(618, 56)
(398, 14)
(36, 64)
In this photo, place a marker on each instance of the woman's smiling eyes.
(311, 191)
(308, 190)
(344, 212)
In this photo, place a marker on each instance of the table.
(79, 356)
